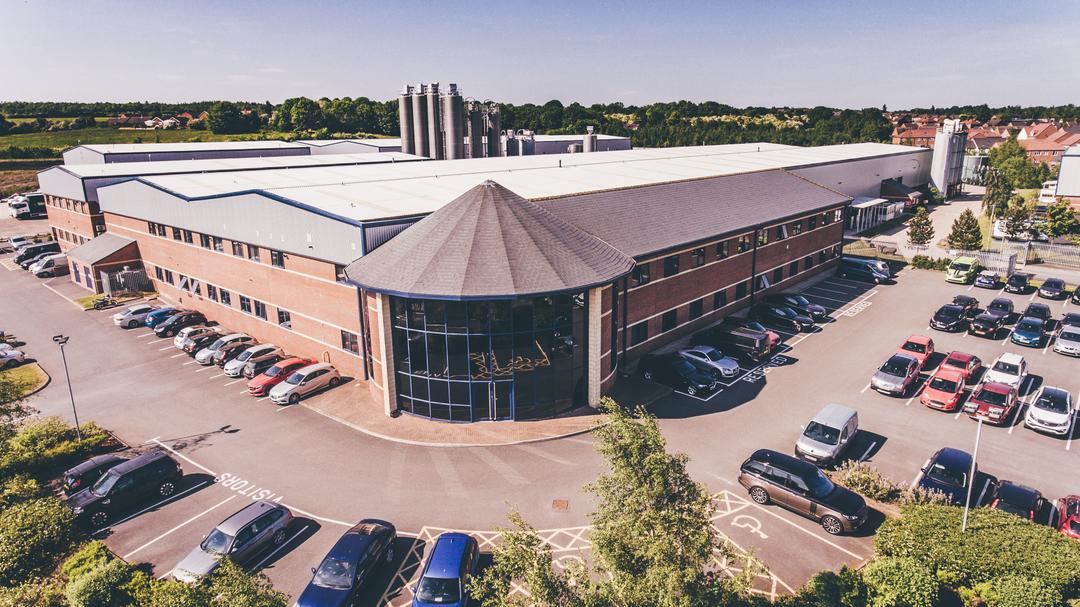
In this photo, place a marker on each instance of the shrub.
(19, 489)
(33, 592)
(1022, 591)
(919, 495)
(91, 556)
(101, 586)
(901, 582)
(173, 593)
(925, 262)
(32, 536)
(827, 589)
(231, 585)
(46, 444)
(864, 479)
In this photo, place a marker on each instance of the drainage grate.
(560, 505)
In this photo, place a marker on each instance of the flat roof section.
(378, 142)
(189, 146)
(217, 165)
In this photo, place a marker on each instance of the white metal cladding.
(857, 177)
(1068, 182)
(83, 155)
(55, 181)
(250, 218)
(134, 152)
(351, 146)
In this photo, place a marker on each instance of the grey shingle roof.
(489, 243)
(98, 248)
(643, 220)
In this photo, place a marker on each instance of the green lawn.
(64, 139)
(1029, 194)
(29, 376)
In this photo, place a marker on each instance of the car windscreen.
(105, 483)
(942, 384)
(1074, 525)
(1069, 336)
(961, 267)
(217, 344)
(713, 355)
(1052, 403)
(943, 475)
(1053, 283)
(819, 484)
(999, 305)
(1030, 326)
(1006, 368)
(786, 312)
(438, 590)
(295, 378)
(822, 433)
(756, 326)
(895, 366)
(990, 397)
(334, 573)
(799, 299)
(911, 346)
(1017, 280)
(246, 354)
(217, 542)
(949, 311)
(275, 371)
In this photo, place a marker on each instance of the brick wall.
(72, 222)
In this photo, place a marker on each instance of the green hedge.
(47, 446)
(925, 262)
(901, 582)
(33, 536)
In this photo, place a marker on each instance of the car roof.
(1057, 393)
(446, 556)
(1011, 357)
(141, 460)
(996, 386)
(834, 415)
(958, 355)
(94, 462)
(951, 306)
(231, 336)
(245, 515)
(789, 463)
(1038, 306)
(949, 373)
(907, 359)
(1001, 300)
(314, 367)
(952, 458)
(357, 539)
(699, 348)
(964, 298)
(1030, 320)
(1018, 494)
(988, 273)
(259, 347)
(919, 339)
(291, 361)
(1053, 280)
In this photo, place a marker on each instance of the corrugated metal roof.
(188, 146)
(100, 247)
(171, 167)
(376, 142)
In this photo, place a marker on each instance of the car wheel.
(132, 324)
(279, 537)
(99, 518)
(647, 374)
(831, 525)
(167, 488)
(294, 398)
(334, 382)
(759, 495)
(691, 390)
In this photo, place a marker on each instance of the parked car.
(51, 266)
(949, 317)
(800, 304)
(1001, 307)
(11, 358)
(257, 527)
(32, 250)
(339, 578)
(897, 375)
(444, 581)
(1010, 369)
(230, 351)
(988, 279)
(986, 325)
(85, 474)
(871, 270)
(256, 367)
(944, 390)
(205, 356)
(1071, 319)
(260, 385)
(947, 472)
(150, 476)
(1068, 509)
(159, 316)
(252, 354)
(963, 270)
(1040, 311)
(31, 261)
(1051, 412)
(189, 333)
(1075, 299)
(671, 370)
(827, 434)
(307, 380)
(968, 303)
(708, 359)
(172, 325)
(753, 325)
(1018, 283)
(750, 344)
(993, 403)
(1018, 499)
(919, 347)
(133, 316)
(1068, 341)
(1053, 288)
(781, 316)
(968, 365)
(1028, 332)
(771, 476)
(194, 345)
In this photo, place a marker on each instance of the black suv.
(152, 475)
(731, 338)
(771, 476)
(781, 316)
(172, 325)
(85, 474)
(799, 304)
(676, 372)
(1018, 283)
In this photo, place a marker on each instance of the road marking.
(280, 408)
(806, 531)
(1072, 430)
(971, 287)
(538, 452)
(1006, 340)
(318, 518)
(981, 493)
(235, 381)
(868, 450)
(145, 335)
(1049, 339)
(278, 549)
(206, 368)
(169, 347)
(207, 511)
(178, 356)
(184, 457)
(217, 376)
(62, 295)
(815, 287)
(865, 388)
(194, 362)
(1016, 418)
(959, 413)
(151, 507)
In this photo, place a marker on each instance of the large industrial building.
(1068, 181)
(502, 287)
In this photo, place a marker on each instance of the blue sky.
(754, 52)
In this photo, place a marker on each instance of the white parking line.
(982, 494)
(816, 296)
(1006, 340)
(1017, 416)
(193, 362)
(217, 376)
(206, 368)
(815, 287)
(207, 511)
(168, 347)
(865, 388)
(151, 507)
(178, 356)
(146, 335)
(183, 457)
(278, 549)
(1048, 340)
(1032, 298)
(868, 450)
(236, 381)
(283, 407)
(806, 531)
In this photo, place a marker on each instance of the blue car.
(158, 316)
(1029, 332)
(453, 561)
(947, 472)
(337, 581)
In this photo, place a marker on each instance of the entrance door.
(500, 399)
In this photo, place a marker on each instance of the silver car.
(205, 356)
(258, 527)
(1051, 412)
(828, 434)
(708, 358)
(1068, 341)
(11, 358)
(188, 334)
(134, 316)
(305, 381)
(896, 375)
(254, 354)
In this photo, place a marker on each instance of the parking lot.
(235, 448)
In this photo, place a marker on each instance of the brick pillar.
(386, 353)
(593, 355)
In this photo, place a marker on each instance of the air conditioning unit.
(99, 229)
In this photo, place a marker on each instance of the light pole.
(971, 475)
(61, 340)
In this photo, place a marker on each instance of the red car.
(993, 403)
(1068, 509)
(260, 385)
(968, 364)
(919, 347)
(944, 390)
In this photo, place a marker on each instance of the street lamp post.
(971, 475)
(61, 340)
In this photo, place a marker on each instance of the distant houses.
(1044, 140)
(139, 121)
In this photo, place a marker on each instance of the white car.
(190, 333)
(205, 357)
(134, 316)
(11, 358)
(254, 354)
(1010, 369)
(1052, 412)
(305, 381)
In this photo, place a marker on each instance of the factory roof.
(383, 191)
(217, 165)
(188, 146)
(572, 137)
(374, 142)
(99, 247)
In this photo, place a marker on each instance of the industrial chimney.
(405, 119)
(420, 120)
(434, 123)
(453, 117)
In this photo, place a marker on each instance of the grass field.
(59, 140)
(17, 181)
(101, 119)
(30, 376)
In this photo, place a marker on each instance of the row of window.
(742, 244)
(215, 243)
(66, 236)
(77, 206)
(349, 341)
(639, 332)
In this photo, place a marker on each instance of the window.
(778, 275)
(219, 244)
(744, 243)
(719, 299)
(245, 304)
(697, 256)
(284, 319)
(226, 299)
(75, 272)
(762, 238)
(838, 215)
(825, 219)
(253, 253)
(639, 333)
(811, 222)
(159, 274)
(237, 249)
(187, 236)
(671, 265)
(796, 228)
(762, 282)
(808, 262)
(668, 320)
(781, 232)
(277, 259)
(339, 273)
(151, 227)
(160, 230)
(640, 275)
(722, 249)
(740, 290)
(211, 292)
(349, 342)
(183, 282)
(696, 308)
(260, 309)
(204, 241)
(822, 256)
(836, 250)
(168, 276)
(176, 234)
(793, 268)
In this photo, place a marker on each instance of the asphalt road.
(236, 448)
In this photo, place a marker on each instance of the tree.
(998, 192)
(1017, 217)
(231, 586)
(966, 233)
(12, 404)
(226, 117)
(1061, 220)
(920, 228)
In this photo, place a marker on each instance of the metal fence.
(130, 279)
(998, 261)
(1060, 255)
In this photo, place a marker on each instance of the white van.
(53, 265)
(828, 434)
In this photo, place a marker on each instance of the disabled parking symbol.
(745, 521)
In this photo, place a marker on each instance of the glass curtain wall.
(490, 360)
